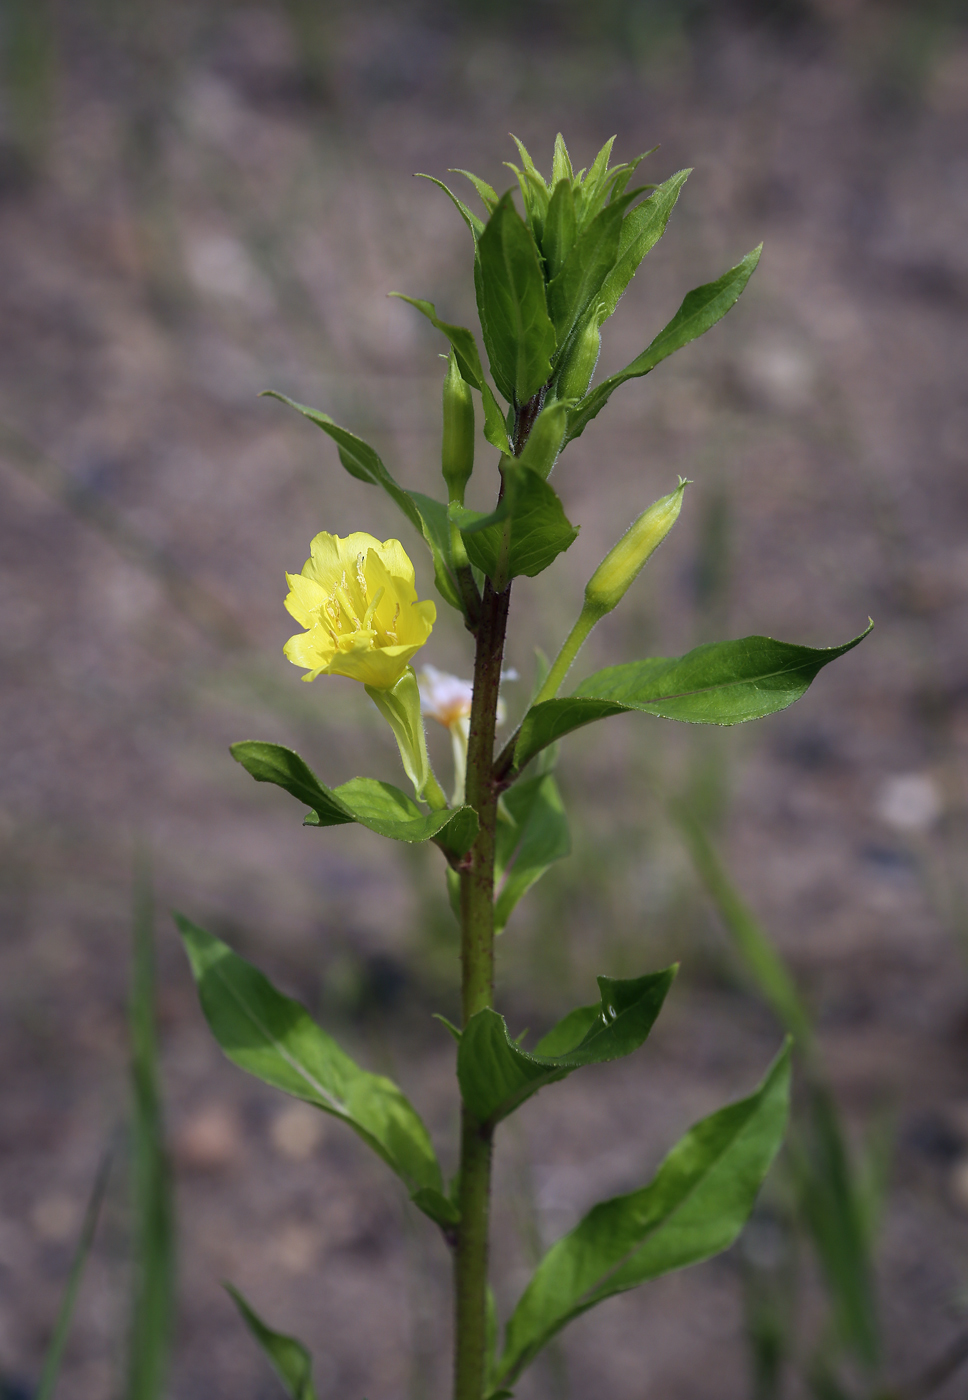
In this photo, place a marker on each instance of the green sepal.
(700, 310)
(518, 333)
(288, 1357)
(526, 533)
(694, 1207)
(496, 1076)
(363, 463)
(641, 230)
(275, 1038)
(380, 807)
(532, 833)
(718, 683)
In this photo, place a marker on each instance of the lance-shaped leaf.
(641, 230)
(589, 262)
(518, 333)
(496, 1075)
(475, 224)
(275, 1038)
(532, 833)
(363, 463)
(560, 229)
(525, 534)
(694, 1207)
(718, 683)
(381, 807)
(700, 310)
(289, 1358)
(469, 364)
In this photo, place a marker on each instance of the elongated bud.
(457, 452)
(544, 442)
(623, 563)
(580, 365)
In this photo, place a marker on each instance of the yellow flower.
(357, 600)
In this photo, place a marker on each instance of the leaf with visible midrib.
(518, 333)
(694, 1207)
(496, 1076)
(717, 683)
(274, 1038)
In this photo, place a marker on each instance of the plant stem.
(571, 646)
(477, 992)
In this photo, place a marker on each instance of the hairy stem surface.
(477, 992)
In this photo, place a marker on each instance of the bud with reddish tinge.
(622, 564)
(457, 451)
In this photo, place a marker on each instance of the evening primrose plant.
(547, 279)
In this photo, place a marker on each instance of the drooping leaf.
(694, 1207)
(475, 224)
(700, 310)
(641, 230)
(274, 1038)
(496, 1075)
(469, 364)
(760, 957)
(289, 1358)
(718, 683)
(518, 333)
(379, 806)
(532, 833)
(524, 535)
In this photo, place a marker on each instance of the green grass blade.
(62, 1327)
(153, 1295)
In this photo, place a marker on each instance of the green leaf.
(475, 224)
(380, 807)
(532, 833)
(436, 532)
(524, 535)
(65, 1313)
(700, 310)
(718, 683)
(641, 230)
(153, 1283)
(465, 346)
(585, 269)
(488, 195)
(274, 1038)
(761, 959)
(518, 333)
(560, 229)
(469, 364)
(496, 1075)
(289, 1359)
(561, 166)
(694, 1207)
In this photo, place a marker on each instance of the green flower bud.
(623, 563)
(457, 451)
(576, 374)
(544, 441)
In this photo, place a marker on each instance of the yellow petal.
(304, 599)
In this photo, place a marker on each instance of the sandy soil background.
(214, 200)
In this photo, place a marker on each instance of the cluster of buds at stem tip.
(624, 561)
(457, 450)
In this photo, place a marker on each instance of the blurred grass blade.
(62, 1327)
(289, 1358)
(153, 1297)
(830, 1201)
(761, 959)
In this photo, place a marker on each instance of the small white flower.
(443, 697)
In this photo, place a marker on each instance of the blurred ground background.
(201, 200)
